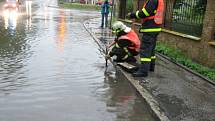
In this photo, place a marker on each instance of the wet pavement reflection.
(52, 70)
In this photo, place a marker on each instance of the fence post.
(209, 23)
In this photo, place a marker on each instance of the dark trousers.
(147, 50)
(120, 53)
(104, 20)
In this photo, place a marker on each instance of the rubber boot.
(140, 72)
(152, 67)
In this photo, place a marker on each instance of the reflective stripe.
(145, 12)
(145, 59)
(151, 30)
(125, 57)
(159, 12)
(116, 31)
(126, 50)
(117, 46)
(153, 57)
(137, 14)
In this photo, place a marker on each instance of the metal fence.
(185, 16)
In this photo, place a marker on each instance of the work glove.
(107, 56)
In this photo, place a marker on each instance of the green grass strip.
(178, 57)
(79, 6)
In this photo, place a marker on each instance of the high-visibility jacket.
(152, 15)
(132, 36)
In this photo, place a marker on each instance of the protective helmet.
(118, 26)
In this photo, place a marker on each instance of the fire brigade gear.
(121, 56)
(141, 72)
(152, 16)
(132, 36)
(107, 56)
(152, 64)
(147, 54)
(158, 17)
(118, 27)
(127, 43)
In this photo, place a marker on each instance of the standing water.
(52, 70)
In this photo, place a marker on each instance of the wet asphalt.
(182, 96)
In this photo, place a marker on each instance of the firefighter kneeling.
(126, 44)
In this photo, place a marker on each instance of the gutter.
(152, 104)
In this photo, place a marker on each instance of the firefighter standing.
(126, 44)
(152, 17)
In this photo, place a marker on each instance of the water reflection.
(29, 22)
(61, 27)
(40, 89)
(123, 100)
(10, 19)
(45, 15)
(28, 9)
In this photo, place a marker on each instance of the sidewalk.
(179, 94)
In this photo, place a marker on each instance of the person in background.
(152, 18)
(126, 45)
(105, 11)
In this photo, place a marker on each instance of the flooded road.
(52, 70)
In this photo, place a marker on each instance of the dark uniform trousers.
(147, 50)
(122, 55)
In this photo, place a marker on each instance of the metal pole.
(106, 60)
(111, 17)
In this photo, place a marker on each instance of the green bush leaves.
(178, 57)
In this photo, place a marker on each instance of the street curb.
(152, 104)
